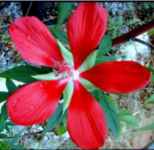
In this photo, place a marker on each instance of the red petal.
(118, 76)
(34, 103)
(34, 42)
(86, 28)
(86, 120)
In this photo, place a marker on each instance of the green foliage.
(3, 117)
(3, 96)
(64, 10)
(89, 62)
(101, 59)
(116, 117)
(150, 67)
(5, 38)
(103, 50)
(66, 53)
(145, 11)
(47, 76)
(115, 25)
(4, 145)
(152, 78)
(24, 73)
(55, 118)
(99, 55)
(105, 45)
(149, 101)
(89, 86)
(111, 110)
(10, 85)
(61, 129)
(59, 33)
(126, 117)
(67, 95)
(151, 32)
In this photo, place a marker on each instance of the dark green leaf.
(152, 78)
(3, 117)
(149, 101)
(4, 145)
(64, 10)
(150, 67)
(3, 96)
(105, 45)
(56, 118)
(23, 73)
(111, 110)
(101, 59)
(10, 85)
(59, 33)
(2, 136)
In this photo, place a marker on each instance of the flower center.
(75, 74)
(66, 71)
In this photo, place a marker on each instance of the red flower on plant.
(36, 102)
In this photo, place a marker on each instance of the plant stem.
(133, 33)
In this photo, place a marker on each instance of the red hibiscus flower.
(36, 102)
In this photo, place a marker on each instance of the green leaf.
(3, 96)
(111, 110)
(89, 86)
(66, 53)
(3, 136)
(105, 45)
(150, 67)
(64, 11)
(48, 76)
(10, 85)
(59, 33)
(67, 95)
(152, 78)
(150, 100)
(60, 130)
(126, 117)
(56, 118)
(4, 145)
(3, 117)
(24, 73)
(101, 59)
(89, 62)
